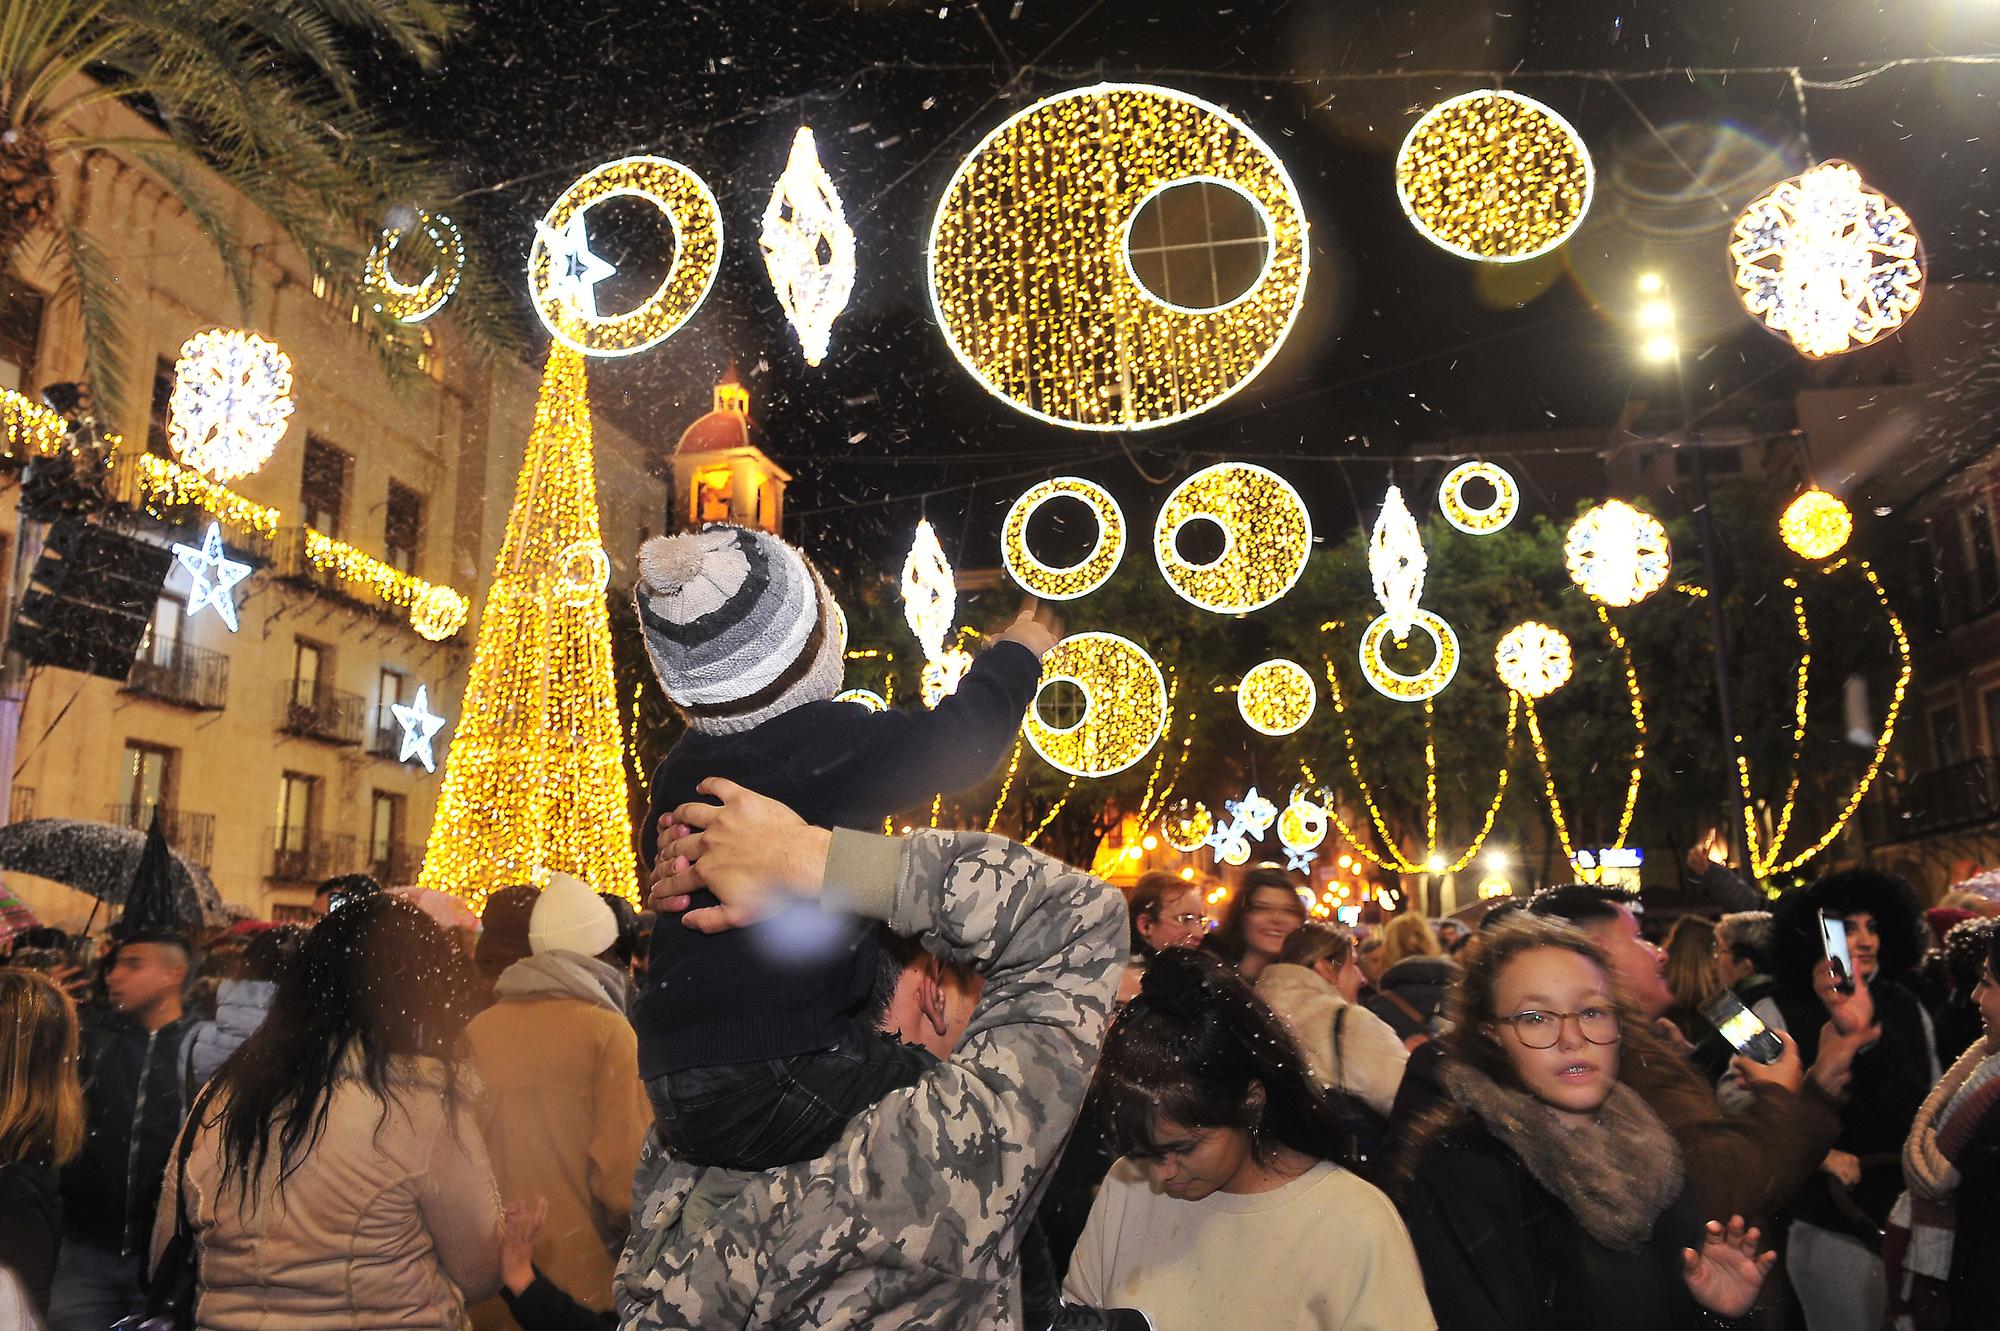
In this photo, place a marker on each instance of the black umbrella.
(104, 861)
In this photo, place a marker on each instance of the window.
(149, 772)
(385, 834)
(711, 495)
(323, 485)
(388, 692)
(296, 797)
(161, 411)
(160, 644)
(403, 527)
(1947, 736)
(20, 332)
(307, 658)
(1982, 559)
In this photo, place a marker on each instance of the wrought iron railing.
(191, 835)
(182, 674)
(300, 855)
(397, 864)
(328, 715)
(1946, 799)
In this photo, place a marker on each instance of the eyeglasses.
(1541, 1030)
(1189, 919)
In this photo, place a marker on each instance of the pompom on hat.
(569, 916)
(738, 624)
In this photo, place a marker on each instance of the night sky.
(1401, 346)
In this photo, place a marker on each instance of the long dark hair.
(376, 979)
(1187, 1051)
(1228, 941)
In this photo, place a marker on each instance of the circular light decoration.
(867, 698)
(1187, 825)
(582, 571)
(1825, 261)
(1030, 265)
(1124, 705)
(1426, 683)
(1478, 521)
(438, 612)
(231, 402)
(563, 274)
(1816, 524)
(1234, 852)
(1302, 826)
(1494, 176)
(1533, 660)
(1276, 697)
(1617, 554)
(1088, 573)
(414, 302)
(1266, 534)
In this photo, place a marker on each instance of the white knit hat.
(569, 917)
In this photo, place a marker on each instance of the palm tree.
(260, 92)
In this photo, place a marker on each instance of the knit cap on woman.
(738, 624)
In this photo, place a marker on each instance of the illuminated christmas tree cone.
(535, 778)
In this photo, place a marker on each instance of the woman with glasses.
(1261, 916)
(1545, 1196)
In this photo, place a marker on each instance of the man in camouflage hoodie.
(914, 1218)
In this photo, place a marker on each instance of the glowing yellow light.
(1494, 176)
(1636, 775)
(942, 675)
(1134, 853)
(1187, 825)
(1435, 864)
(414, 302)
(1816, 524)
(30, 427)
(1651, 284)
(1088, 573)
(1660, 349)
(563, 274)
(1302, 826)
(1276, 697)
(1656, 314)
(1617, 554)
(865, 698)
(1478, 521)
(1533, 659)
(1498, 861)
(1826, 262)
(1187, 874)
(1124, 705)
(808, 247)
(231, 402)
(1150, 842)
(436, 613)
(1426, 683)
(1266, 534)
(535, 778)
(1030, 265)
(1347, 861)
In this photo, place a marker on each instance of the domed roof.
(727, 426)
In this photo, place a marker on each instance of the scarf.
(1615, 1175)
(1922, 1232)
(559, 974)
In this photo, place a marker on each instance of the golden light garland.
(165, 484)
(390, 585)
(1276, 697)
(1087, 574)
(808, 247)
(1494, 176)
(1030, 268)
(414, 302)
(1050, 817)
(1533, 659)
(1826, 262)
(1426, 683)
(1478, 521)
(1124, 705)
(1816, 524)
(231, 402)
(1617, 554)
(32, 429)
(1006, 784)
(1267, 535)
(1635, 777)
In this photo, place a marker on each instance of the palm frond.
(162, 160)
(85, 278)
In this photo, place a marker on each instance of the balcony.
(192, 835)
(180, 674)
(327, 715)
(1948, 799)
(300, 855)
(396, 864)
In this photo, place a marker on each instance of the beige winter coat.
(387, 1224)
(1369, 1064)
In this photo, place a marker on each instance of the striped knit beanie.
(738, 624)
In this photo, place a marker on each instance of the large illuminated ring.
(1302, 826)
(1266, 534)
(582, 570)
(1427, 683)
(1124, 705)
(1617, 554)
(1030, 266)
(1534, 660)
(559, 293)
(1187, 825)
(414, 302)
(1478, 521)
(864, 698)
(1276, 697)
(1088, 573)
(1494, 176)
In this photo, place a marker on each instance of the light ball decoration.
(867, 699)
(231, 402)
(1302, 826)
(1826, 262)
(1030, 267)
(1266, 534)
(808, 247)
(1426, 683)
(563, 273)
(1186, 825)
(437, 612)
(1816, 524)
(1478, 521)
(1276, 697)
(1617, 554)
(1533, 659)
(1124, 705)
(414, 302)
(1494, 176)
(1087, 574)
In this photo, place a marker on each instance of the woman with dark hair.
(336, 1177)
(41, 1125)
(1544, 1195)
(1233, 1172)
(1261, 916)
(1167, 911)
(1833, 1250)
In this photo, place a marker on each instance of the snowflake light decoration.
(1478, 521)
(808, 247)
(1124, 705)
(1816, 524)
(1533, 660)
(214, 575)
(1082, 577)
(1255, 811)
(1494, 176)
(1276, 697)
(231, 401)
(414, 302)
(1396, 562)
(1617, 554)
(1827, 262)
(930, 592)
(1230, 841)
(420, 727)
(1266, 536)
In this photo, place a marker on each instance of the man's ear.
(1253, 1099)
(930, 992)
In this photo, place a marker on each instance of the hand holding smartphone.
(1741, 1027)
(1833, 939)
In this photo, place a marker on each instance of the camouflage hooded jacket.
(914, 1218)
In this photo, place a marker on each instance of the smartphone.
(1742, 1028)
(1833, 938)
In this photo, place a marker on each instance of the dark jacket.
(1423, 983)
(543, 1307)
(724, 998)
(1974, 1287)
(133, 1107)
(30, 1227)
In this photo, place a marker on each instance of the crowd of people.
(840, 1078)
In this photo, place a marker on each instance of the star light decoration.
(1396, 565)
(231, 402)
(808, 247)
(1826, 262)
(414, 302)
(1088, 573)
(1276, 697)
(1494, 176)
(213, 574)
(1816, 524)
(420, 727)
(1124, 705)
(1478, 521)
(1266, 532)
(1533, 659)
(1617, 554)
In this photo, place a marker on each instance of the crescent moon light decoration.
(1124, 705)
(414, 302)
(1266, 534)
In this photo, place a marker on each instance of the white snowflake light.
(213, 574)
(1533, 660)
(1478, 521)
(930, 592)
(1254, 811)
(420, 727)
(1617, 554)
(231, 402)
(1827, 262)
(943, 674)
(808, 247)
(414, 302)
(1396, 562)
